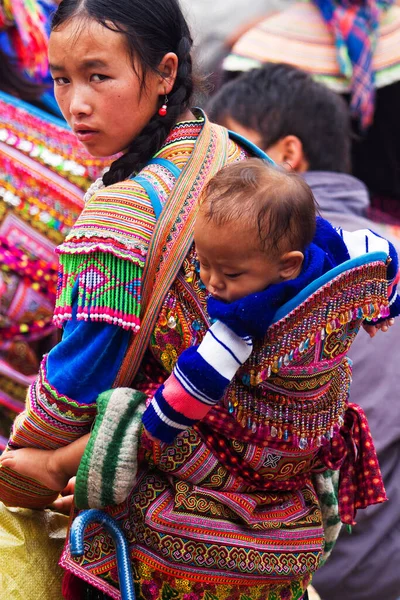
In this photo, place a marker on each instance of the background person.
(352, 48)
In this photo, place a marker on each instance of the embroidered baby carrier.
(231, 501)
(229, 510)
(293, 391)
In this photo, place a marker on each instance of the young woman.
(44, 171)
(130, 301)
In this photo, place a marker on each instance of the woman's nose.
(79, 105)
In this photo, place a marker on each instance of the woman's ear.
(168, 69)
(289, 150)
(290, 264)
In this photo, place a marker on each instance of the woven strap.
(172, 239)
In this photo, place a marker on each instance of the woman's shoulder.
(117, 219)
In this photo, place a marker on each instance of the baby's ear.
(290, 264)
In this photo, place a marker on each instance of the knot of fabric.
(352, 451)
(355, 27)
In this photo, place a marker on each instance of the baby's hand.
(382, 326)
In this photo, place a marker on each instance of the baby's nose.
(216, 283)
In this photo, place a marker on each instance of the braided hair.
(152, 29)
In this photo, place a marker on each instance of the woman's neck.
(186, 116)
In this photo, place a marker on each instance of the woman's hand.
(382, 326)
(65, 501)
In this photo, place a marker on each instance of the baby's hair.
(152, 29)
(278, 204)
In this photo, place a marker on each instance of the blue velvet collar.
(253, 314)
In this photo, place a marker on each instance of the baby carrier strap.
(149, 187)
(173, 237)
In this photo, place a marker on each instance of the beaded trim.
(50, 143)
(294, 387)
(356, 294)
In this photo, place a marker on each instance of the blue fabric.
(87, 360)
(253, 314)
(201, 374)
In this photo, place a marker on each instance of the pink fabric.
(183, 402)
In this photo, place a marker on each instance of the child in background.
(254, 239)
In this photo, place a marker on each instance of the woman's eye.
(61, 80)
(99, 77)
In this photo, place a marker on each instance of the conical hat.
(299, 36)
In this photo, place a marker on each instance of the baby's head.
(254, 223)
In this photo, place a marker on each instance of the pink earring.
(162, 111)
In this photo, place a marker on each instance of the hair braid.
(152, 137)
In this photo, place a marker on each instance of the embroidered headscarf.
(24, 21)
(355, 27)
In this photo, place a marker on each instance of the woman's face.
(97, 88)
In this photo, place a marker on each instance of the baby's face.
(232, 264)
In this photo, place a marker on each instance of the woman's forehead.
(88, 40)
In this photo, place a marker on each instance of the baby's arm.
(365, 241)
(197, 383)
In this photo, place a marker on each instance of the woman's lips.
(85, 135)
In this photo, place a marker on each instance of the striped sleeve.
(197, 383)
(364, 241)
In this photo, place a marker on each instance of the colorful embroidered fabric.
(192, 521)
(106, 249)
(43, 172)
(355, 27)
(25, 22)
(299, 36)
(239, 474)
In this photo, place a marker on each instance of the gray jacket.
(365, 564)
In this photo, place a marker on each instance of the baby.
(259, 243)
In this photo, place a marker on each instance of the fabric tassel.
(108, 289)
(353, 452)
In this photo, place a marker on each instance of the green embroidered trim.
(108, 289)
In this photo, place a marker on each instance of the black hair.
(15, 83)
(277, 100)
(152, 29)
(278, 204)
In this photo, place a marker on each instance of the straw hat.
(299, 36)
